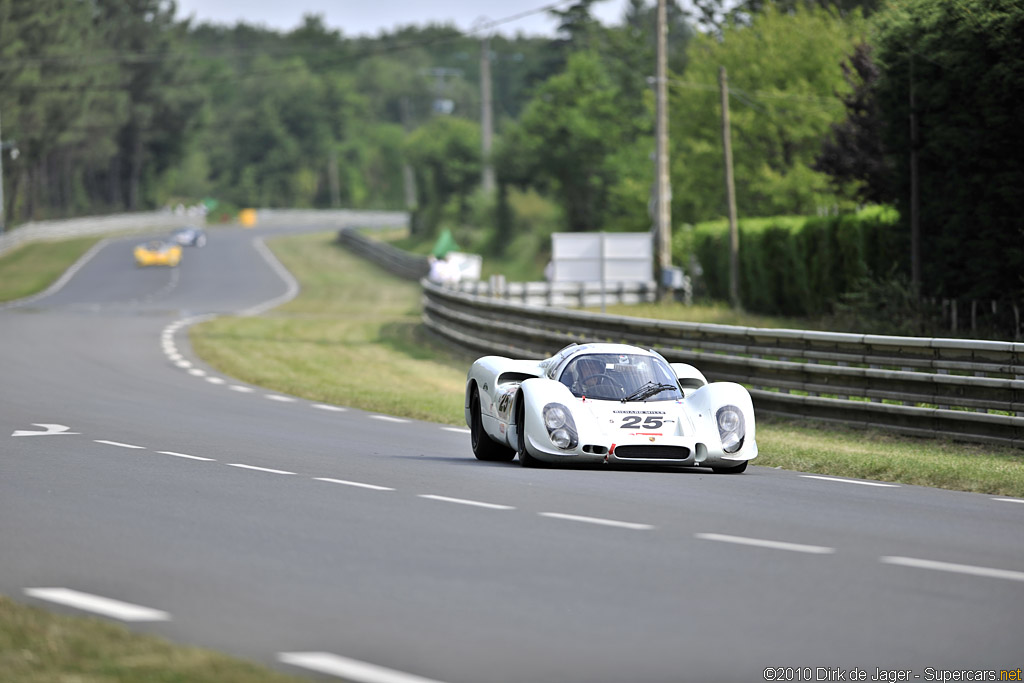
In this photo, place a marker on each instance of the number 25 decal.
(634, 421)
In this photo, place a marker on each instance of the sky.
(370, 17)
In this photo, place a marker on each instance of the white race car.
(607, 403)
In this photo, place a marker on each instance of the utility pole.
(408, 177)
(486, 117)
(2, 224)
(915, 221)
(730, 193)
(662, 211)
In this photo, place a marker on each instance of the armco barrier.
(963, 389)
(126, 223)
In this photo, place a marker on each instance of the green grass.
(353, 337)
(37, 646)
(32, 267)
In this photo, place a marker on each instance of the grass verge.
(32, 267)
(37, 646)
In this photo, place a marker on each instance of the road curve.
(139, 484)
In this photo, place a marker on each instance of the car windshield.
(612, 377)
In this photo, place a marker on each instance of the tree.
(574, 134)
(783, 70)
(854, 155)
(445, 153)
(964, 60)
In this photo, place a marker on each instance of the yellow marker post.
(247, 217)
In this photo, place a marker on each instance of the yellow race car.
(157, 253)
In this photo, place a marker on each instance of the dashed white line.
(324, 406)
(388, 418)
(354, 483)
(96, 604)
(118, 444)
(462, 501)
(457, 430)
(258, 469)
(277, 397)
(186, 455)
(764, 543)
(955, 568)
(850, 481)
(240, 388)
(598, 520)
(196, 372)
(1010, 500)
(183, 364)
(351, 669)
(215, 380)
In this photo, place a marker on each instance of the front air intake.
(652, 452)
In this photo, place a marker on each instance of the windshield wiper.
(648, 390)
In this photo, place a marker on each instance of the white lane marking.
(597, 520)
(955, 568)
(196, 372)
(354, 483)
(324, 406)
(457, 430)
(258, 469)
(276, 397)
(183, 364)
(290, 282)
(48, 430)
(176, 357)
(764, 543)
(244, 390)
(351, 669)
(98, 605)
(462, 501)
(215, 380)
(850, 481)
(118, 444)
(186, 455)
(388, 418)
(1010, 500)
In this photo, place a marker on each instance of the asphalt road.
(315, 538)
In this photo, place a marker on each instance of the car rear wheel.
(525, 459)
(737, 469)
(484, 448)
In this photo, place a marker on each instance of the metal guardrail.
(962, 389)
(565, 294)
(127, 223)
(392, 259)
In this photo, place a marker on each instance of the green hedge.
(798, 266)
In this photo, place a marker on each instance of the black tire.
(525, 459)
(484, 448)
(738, 469)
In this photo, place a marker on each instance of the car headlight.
(554, 416)
(730, 428)
(560, 425)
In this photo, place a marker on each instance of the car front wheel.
(484, 448)
(525, 459)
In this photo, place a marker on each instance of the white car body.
(540, 411)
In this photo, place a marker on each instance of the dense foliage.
(119, 105)
(798, 266)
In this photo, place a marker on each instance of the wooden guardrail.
(962, 389)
